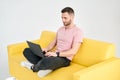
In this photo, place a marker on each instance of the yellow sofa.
(95, 60)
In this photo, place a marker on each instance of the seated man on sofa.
(67, 41)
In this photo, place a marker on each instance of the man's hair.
(69, 10)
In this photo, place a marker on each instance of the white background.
(22, 20)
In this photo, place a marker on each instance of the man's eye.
(65, 18)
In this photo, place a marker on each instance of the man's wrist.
(58, 54)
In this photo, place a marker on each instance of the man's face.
(66, 19)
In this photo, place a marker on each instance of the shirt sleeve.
(78, 36)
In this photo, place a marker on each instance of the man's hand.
(44, 49)
(48, 54)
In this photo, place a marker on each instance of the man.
(67, 42)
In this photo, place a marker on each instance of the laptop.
(36, 49)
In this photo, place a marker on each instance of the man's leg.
(47, 64)
(53, 63)
(32, 58)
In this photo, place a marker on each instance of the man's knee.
(26, 51)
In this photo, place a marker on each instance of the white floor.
(4, 72)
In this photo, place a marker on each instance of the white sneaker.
(11, 78)
(42, 73)
(26, 64)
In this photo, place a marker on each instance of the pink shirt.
(67, 37)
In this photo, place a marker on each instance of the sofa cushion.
(93, 51)
(64, 73)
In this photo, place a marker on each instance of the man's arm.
(50, 46)
(70, 52)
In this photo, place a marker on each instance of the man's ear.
(72, 16)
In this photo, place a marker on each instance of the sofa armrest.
(19, 47)
(106, 70)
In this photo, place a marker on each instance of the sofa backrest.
(90, 51)
(93, 51)
(46, 37)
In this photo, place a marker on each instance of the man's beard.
(67, 23)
